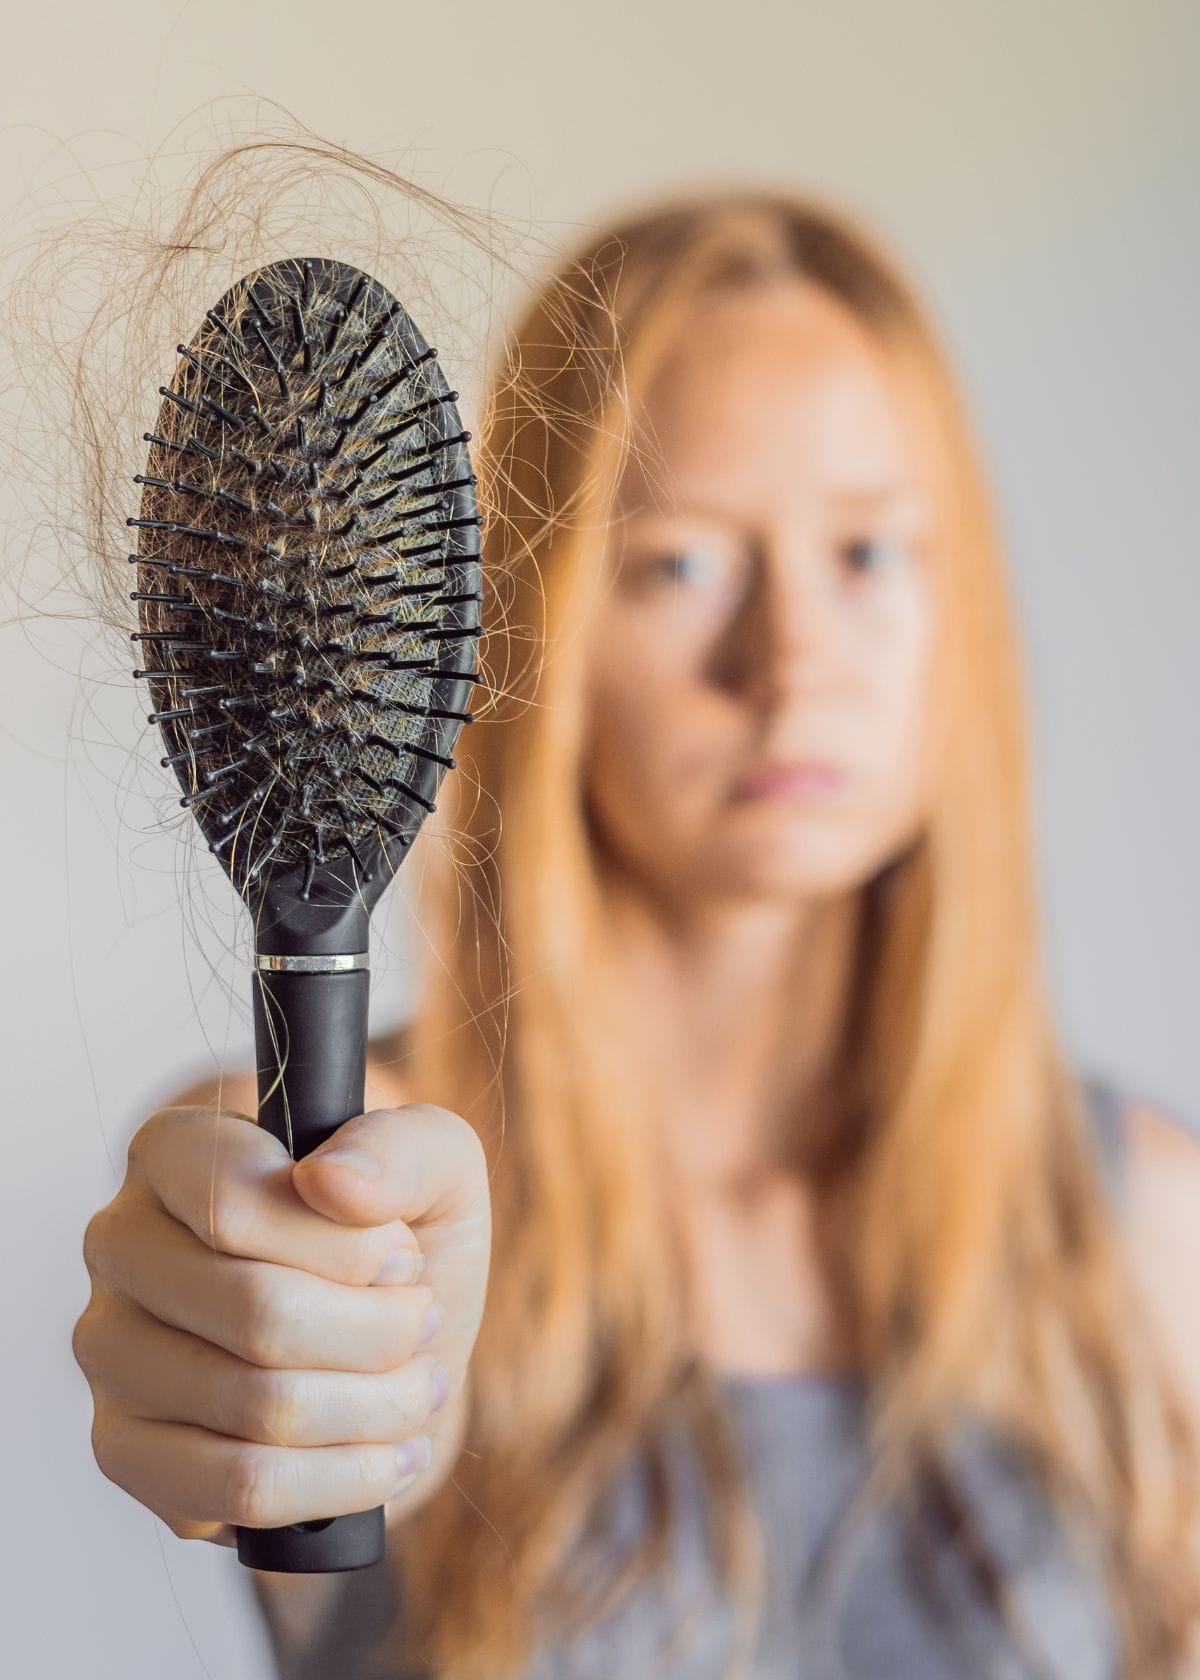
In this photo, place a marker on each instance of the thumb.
(342, 1178)
(418, 1162)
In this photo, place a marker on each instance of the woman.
(835, 1322)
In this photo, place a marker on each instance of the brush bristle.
(308, 572)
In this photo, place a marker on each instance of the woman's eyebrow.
(697, 508)
(872, 495)
(687, 510)
(850, 497)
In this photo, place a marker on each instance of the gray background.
(1036, 165)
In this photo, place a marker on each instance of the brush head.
(308, 589)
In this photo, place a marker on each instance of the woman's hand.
(263, 1333)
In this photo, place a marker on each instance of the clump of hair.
(97, 288)
(95, 301)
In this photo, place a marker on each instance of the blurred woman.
(835, 1324)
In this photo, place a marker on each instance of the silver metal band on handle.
(313, 965)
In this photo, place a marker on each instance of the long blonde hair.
(965, 1231)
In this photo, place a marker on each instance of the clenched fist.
(270, 1341)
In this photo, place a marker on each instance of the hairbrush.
(308, 589)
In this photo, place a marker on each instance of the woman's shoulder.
(1160, 1151)
(1147, 1140)
(1157, 1154)
(1139, 1138)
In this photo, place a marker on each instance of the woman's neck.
(744, 1016)
(743, 1012)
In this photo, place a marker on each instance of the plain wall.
(1037, 166)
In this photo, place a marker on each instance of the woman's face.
(757, 675)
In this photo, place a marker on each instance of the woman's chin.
(780, 855)
(788, 874)
(790, 852)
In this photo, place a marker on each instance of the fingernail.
(441, 1384)
(356, 1161)
(413, 1455)
(402, 1265)
(432, 1323)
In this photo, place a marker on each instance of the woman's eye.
(696, 567)
(871, 554)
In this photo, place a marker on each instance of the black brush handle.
(310, 1035)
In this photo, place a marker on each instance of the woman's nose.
(791, 638)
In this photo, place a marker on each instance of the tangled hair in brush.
(308, 566)
(95, 302)
(93, 306)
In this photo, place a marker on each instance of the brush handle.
(310, 1035)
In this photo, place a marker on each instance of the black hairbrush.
(308, 589)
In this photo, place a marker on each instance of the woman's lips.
(800, 779)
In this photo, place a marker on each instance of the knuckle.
(252, 1478)
(84, 1341)
(105, 1435)
(226, 1225)
(352, 1407)
(270, 1407)
(143, 1145)
(266, 1312)
(96, 1237)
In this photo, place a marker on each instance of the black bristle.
(296, 590)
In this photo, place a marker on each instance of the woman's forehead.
(781, 391)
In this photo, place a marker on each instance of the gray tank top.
(884, 1614)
